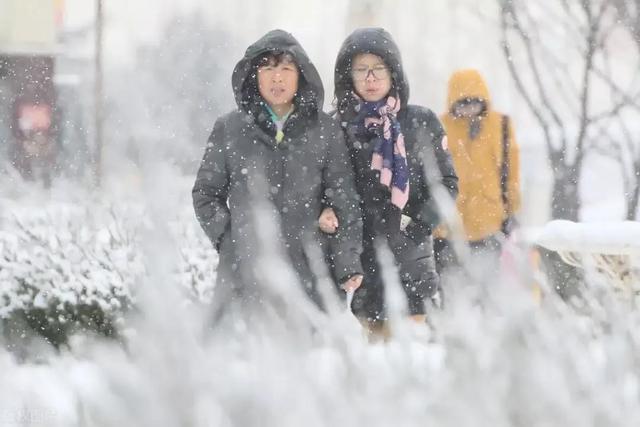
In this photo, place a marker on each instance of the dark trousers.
(418, 277)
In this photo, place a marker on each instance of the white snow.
(89, 253)
(609, 238)
(504, 362)
(496, 357)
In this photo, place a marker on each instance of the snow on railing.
(606, 250)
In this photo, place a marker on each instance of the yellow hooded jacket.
(478, 162)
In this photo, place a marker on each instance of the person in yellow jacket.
(486, 158)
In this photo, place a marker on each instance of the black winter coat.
(255, 197)
(429, 162)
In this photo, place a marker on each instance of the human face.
(469, 109)
(371, 77)
(278, 84)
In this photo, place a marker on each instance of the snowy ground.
(496, 360)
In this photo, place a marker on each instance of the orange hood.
(467, 84)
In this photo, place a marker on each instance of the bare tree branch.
(553, 65)
(586, 77)
(505, 13)
(633, 102)
(544, 74)
(538, 78)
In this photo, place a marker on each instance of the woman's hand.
(353, 283)
(328, 221)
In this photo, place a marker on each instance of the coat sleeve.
(437, 166)
(513, 185)
(211, 188)
(340, 194)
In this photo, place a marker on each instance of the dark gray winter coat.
(429, 163)
(255, 198)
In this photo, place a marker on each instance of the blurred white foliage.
(67, 255)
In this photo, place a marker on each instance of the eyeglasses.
(380, 72)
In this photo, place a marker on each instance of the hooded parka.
(255, 197)
(429, 165)
(478, 160)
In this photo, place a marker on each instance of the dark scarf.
(475, 127)
(389, 154)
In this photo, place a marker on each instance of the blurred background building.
(44, 86)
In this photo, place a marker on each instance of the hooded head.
(467, 86)
(310, 95)
(378, 42)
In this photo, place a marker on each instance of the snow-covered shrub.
(197, 258)
(65, 268)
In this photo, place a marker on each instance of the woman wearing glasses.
(396, 150)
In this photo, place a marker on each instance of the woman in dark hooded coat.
(398, 152)
(269, 168)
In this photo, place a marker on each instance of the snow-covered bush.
(66, 268)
